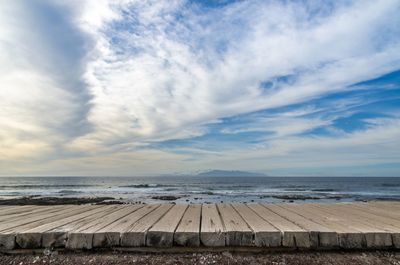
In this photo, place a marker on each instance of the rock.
(166, 197)
(227, 254)
(53, 200)
(295, 197)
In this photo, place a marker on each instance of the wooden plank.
(26, 238)
(320, 236)
(188, 231)
(136, 235)
(82, 235)
(237, 232)
(389, 221)
(124, 210)
(16, 214)
(7, 240)
(109, 236)
(293, 235)
(347, 237)
(391, 205)
(212, 232)
(380, 210)
(384, 211)
(265, 234)
(392, 225)
(35, 211)
(47, 234)
(30, 236)
(79, 240)
(161, 234)
(32, 218)
(347, 225)
(8, 210)
(374, 237)
(377, 219)
(9, 229)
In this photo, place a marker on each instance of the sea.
(207, 189)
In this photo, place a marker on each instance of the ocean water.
(207, 189)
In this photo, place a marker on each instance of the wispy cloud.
(86, 80)
(43, 97)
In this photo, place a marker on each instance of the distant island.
(229, 173)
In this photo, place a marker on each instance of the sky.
(133, 87)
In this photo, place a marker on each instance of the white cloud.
(113, 76)
(40, 94)
(152, 80)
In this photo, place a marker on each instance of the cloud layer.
(146, 87)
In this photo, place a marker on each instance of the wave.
(144, 186)
(290, 186)
(324, 190)
(295, 189)
(390, 185)
(70, 192)
(58, 186)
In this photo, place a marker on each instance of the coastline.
(172, 199)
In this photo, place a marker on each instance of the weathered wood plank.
(388, 220)
(32, 218)
(14, 215)
(109, 235)
(188, 231)
(386, 211)
(237, 231)
(135, 236)
(83, 236)
(320, 236)
(378, 209)
(10, 229)
(44, 235)
(374, 237)
(161, 234)
(212, 232)
(347, 225)
(31, 212)
(265, 234)
(34, 240)
(293, 235)
(79, 240)
(25, 238)
(5, 209)
(389, 224)
(385, 204)
(9, 210)
(347, 237)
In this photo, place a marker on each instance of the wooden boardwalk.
(342, 225)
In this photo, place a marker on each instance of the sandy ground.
(307, 258)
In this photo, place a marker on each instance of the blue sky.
(127, 87)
